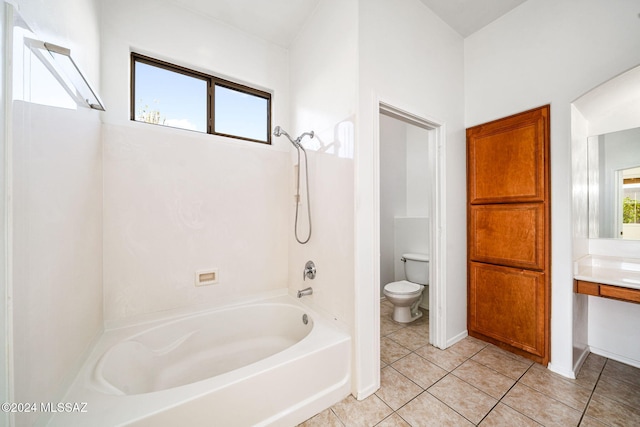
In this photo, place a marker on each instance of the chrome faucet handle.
(309, 271)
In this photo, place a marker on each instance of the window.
(169, 95)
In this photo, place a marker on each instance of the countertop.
(617, 271)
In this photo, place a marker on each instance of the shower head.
(278, 131)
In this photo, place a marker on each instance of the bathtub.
(271, 361)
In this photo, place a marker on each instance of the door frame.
(437, 261)
(367, 241)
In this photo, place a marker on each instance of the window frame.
(212, 82)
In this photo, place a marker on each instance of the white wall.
(551, 51)
(580, 220)
(57, 216)
(418, 176)
(323, 68)
(412, 60)
(177, 201)
(5, 371)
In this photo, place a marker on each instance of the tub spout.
(303, 292)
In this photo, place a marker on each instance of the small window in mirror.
(631, 196)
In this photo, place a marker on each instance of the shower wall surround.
(56, 208)
(323, 64)
(178, 201)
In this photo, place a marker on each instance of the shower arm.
(278, 131)
(309, 134)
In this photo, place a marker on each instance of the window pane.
(241, 114)
(168, 98)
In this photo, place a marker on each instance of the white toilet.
(406, 295)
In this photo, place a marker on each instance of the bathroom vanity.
(608, 277)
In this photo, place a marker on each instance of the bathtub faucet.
(306, 291)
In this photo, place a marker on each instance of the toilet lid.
(402, 287)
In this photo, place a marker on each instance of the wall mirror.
(608, 118)
(614, 185)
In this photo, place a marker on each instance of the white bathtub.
(255, 363)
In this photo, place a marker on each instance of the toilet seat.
(403, 287)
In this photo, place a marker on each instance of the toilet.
(406, 295)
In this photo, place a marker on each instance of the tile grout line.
(507, 392)
(449, 372)
(466, 358)
(498, 401)
(584, 413)
(424, 390)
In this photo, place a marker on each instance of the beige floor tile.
(620, 391)
(591, 422)
(612, 413)
(421, 325)
(621, 372)
(394, 420)
(409, 338)
(587, 378)
(486, 379)
(325, 418)
(468, 346)
(386, 308)
(390, 351)
(545, 410)
(419, 370)
(509, 354)
(396, 389)
(501, 361)
(446, 359)
(503, 416)
(388, 326)
(594, 362)
(427, 411)
(558, 387)
(462, 397)
(361, 413)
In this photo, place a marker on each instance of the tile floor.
(475, 383)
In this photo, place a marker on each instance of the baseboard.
(363, 394)
(562, 371)
(616, 357)
(462, 335)
(583, 356)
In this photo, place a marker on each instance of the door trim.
(437, 264)
(367, 242)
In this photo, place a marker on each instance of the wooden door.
(509, 235)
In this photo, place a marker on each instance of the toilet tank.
(416, 268)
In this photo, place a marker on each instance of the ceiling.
(278, 21)
(468, 16)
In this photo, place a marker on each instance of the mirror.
(614, 185)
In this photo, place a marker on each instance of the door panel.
(507, 304)
(507, 161)
(508, 234)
